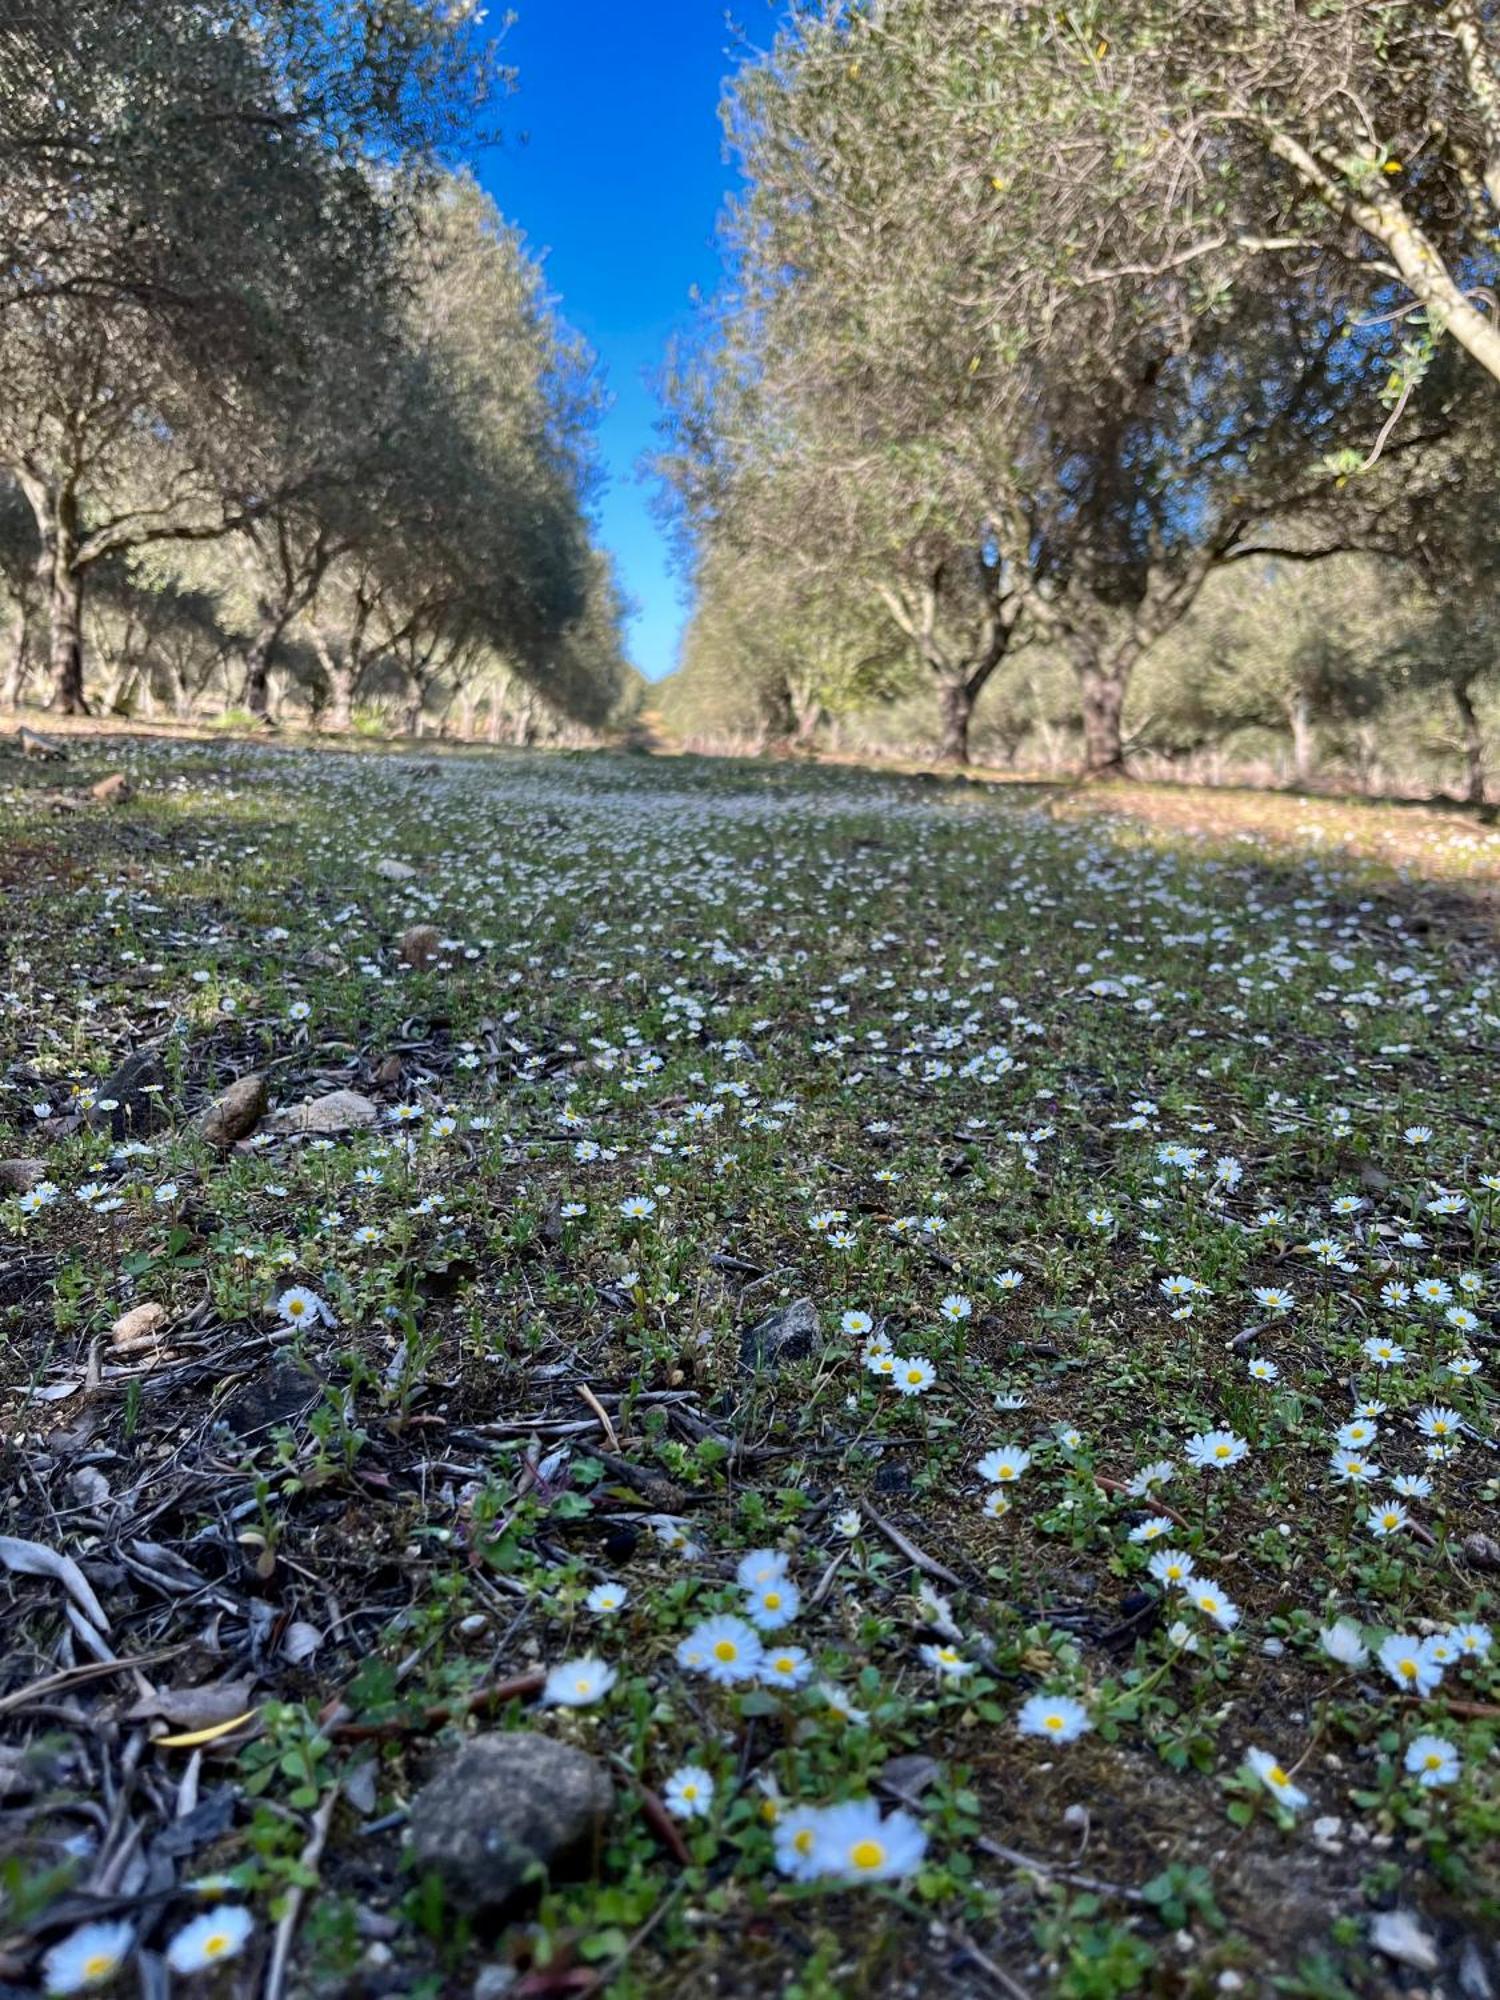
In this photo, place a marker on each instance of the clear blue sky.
(618, 182)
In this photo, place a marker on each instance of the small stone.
(389, 869)
(1398, 1935)
(420, 945)
(282, 1395)
(1325, 1832)
(791, 1334)
(111, 791)
(1474, 1981)
(907, 1777)
(135, 1091)
(507, 1800)
(493, 1982)
(89, 1486)
(338, 1111)
(137, 1328)
(1481, 1552)
(234, 1113)
(21, 1176)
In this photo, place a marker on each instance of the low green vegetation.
(1094, 1597)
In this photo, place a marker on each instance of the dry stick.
(825, 1582)
(1122, 1491)
(286, 1930)
(607, 1972)
(922, 1561)
(610, 1437)
(92, 1670)
(1012, 1987)
(517, 1687)
(1061, 1874)
(657, 1817)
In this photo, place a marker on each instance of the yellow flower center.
(1053, 1721)
(1278, 1776)
(1432, 1762)
(726, 1650)
(1408, 1668)
(802, 1840)
(772, 1600)
(867, 1854)
(99, 1966)
(1221, 1451)
(213, 1946)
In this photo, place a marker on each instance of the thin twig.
(1009, 1986)
(515, 1689)
(929, 1565)
(610, 1436)
(91, 1670)
(286, 1930)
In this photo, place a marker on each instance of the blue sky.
(618, 183)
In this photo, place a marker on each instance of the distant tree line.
(1058, 352)
(288, 415)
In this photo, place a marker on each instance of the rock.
(338, 1111)
(420, 945)
(505, 1801)
(21, 1176)
(1398, 1935)
(136, 1092)
(1474, 1981)
(111, 791)
(492, 1982)
(788, 1335)
(391, 870)
(137, 1328)
(89, 1486)
(1481, 1552)
(33, 745)
(1326, 1831)
(285, 1393)
(234, 1113)
(906, 1778)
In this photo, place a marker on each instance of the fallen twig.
(1121, 1491)
(611, 1438)
(514, 1689)
(929, 1565)
(1012, 1987)
(286, 1930)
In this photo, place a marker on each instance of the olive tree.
(908, 374)
(191, 193)
(1364, 134)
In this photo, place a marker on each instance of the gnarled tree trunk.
(65, 608)
(1101, 686)
(15, 672)
(956, 711)
(1473, 742)
(258, 653)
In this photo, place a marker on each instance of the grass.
(997, 1069)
